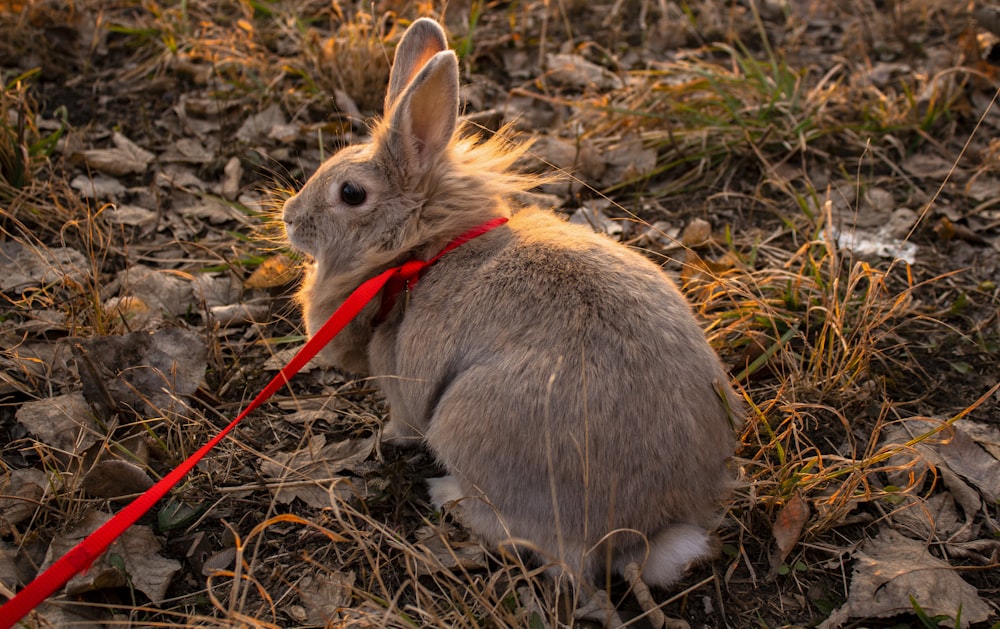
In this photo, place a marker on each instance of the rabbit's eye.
(352, 193)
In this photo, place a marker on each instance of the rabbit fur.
(558, 376)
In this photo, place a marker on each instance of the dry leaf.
(315, 470)
(145, 371)
(233, 172)
(131, 215)
(575, 72)
(215, 211)
(124, 159)
(323, 595)
(160, 291)
(137, 549)
(696, 233)
(98, 188)
(443, 554)
(787, 528)
(22, 267)
(114, 479)
(22, 491)
(65, 422)
(278, 270)
(592, 215)
(890, 569)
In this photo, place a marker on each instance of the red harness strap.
(83, 554)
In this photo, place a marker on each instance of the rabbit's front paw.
(401, 434)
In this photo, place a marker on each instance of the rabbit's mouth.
(301, 233)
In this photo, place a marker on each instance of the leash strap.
(80, 558)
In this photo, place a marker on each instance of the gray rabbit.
(558, 376)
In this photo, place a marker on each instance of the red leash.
(83, 554)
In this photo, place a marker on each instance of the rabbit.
(559, 377)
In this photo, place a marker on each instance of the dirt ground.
(822, 178)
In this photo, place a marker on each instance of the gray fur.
(558, 376)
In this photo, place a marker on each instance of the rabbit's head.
(415, 187)
(365, 201)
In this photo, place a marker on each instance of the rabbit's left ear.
(423, 119)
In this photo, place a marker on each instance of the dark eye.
(352, 193)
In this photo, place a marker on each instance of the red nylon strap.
(410, 272)
(83, 554)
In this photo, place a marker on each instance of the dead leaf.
(114, 479)
(575, 72)
(215, 211)
(696, 233)
(22, 491)
(98, 188)
(149, 372)
(131, 215)
(787, 528)
(64, 422)
(137, 550)
(443, 554)
(22, 267)
(229, 188)
(593, 215)
(268, 124)
(313, 472)
(954, 448)
(890, 569)
(930, 518)
(159, 291)
(627, 159)
(324, 594)
(275, 271)
(189, 151)
(240, 314)
(126, 158)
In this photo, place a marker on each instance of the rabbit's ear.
(424, 39)
(423, 119)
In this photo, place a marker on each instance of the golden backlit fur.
(558, 376)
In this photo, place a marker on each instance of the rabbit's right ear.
(424, 39)
(423, 118)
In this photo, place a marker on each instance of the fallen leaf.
(22, 491)
(114, 479)
(126, 158)
(159, 291)
(268, 124)
(441, 553)
(98, 188)
(928, 518)
(22, 267)
(627, 159)
(64, 422)
(575, 72)
(233, 172)
(324, 594)
(696, 233)
(215, 211)
(890, 569)
(592, 215)
(148, 372)
(313, 472)
(787, 528)
(137, 550)
(275, 271)
(131, 215)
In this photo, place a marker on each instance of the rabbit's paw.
(444, 489)
(400, 434)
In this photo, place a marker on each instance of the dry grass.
(745, 130)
